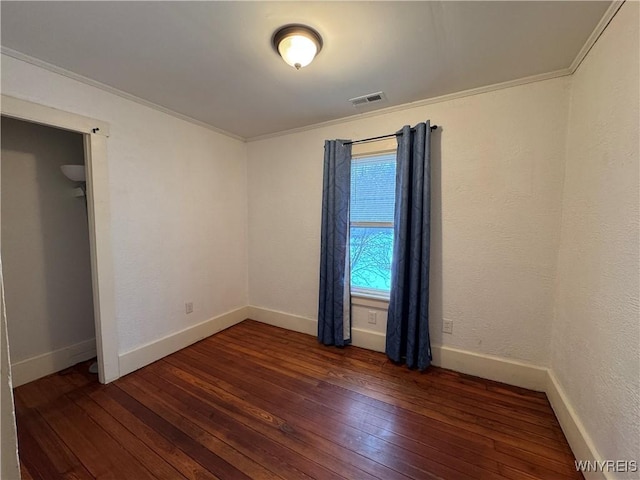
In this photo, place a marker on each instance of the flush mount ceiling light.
(297, 44)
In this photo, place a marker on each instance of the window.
(373, 180)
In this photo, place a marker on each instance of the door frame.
(95, 134)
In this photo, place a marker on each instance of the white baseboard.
(367, 339)
(151, 352)
(33, 368)
(486, 366)
(496, 368)
(284, 320)
(573, 428)
(500, 369)
(359, 337)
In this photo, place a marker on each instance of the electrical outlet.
(188, 307)
(373, 317)
(447, 326)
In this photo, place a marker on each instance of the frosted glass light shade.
(75, 173)
(297, 45)
(297, 51)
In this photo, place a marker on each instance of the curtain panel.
(408, 320)
(334, 309)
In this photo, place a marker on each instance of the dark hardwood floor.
(260, 402)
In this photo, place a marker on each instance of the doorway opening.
(90, 282)
(45, 250)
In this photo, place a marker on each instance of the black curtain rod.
(381, 137)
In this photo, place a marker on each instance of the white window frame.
(359, 151)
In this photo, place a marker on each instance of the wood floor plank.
(417, 462)
(356, 412)
(514, 406)
(256, 401)
(232, 401)
(511, 398)
(490, 411)
(45, 454)
(293, 341)
(454, 417)
(191, 446)
(25, 473)
(96, 449)
(552, 472)
(369, 409)
(153, 462)
(35, 460)
(235, 443)
(182, 462)
(412, 435)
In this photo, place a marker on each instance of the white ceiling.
(213, 61)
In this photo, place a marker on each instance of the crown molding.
(127, 96)
(595, 35)
(420, 103)
(443, 98)
(588, 45)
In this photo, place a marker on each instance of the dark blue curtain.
(334, 322)
(408, 319)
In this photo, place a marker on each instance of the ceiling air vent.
(368, 99)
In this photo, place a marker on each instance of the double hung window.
(373, 179)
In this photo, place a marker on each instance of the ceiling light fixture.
(297, 44)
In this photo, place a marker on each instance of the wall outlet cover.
(447, 326)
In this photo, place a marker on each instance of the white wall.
(496, 214)
(45, 241)
(178, 207)
(9, 466)
(181, 229)
(596, 334)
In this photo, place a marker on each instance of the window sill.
(370, 300)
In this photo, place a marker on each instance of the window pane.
(371, 253)
(373, 186)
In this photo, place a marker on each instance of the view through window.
(373, 180)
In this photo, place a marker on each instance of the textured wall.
(178, 207)
(9, 466)
(45, 241)
(498, 167)
(596, 334)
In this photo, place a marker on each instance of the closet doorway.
(56, 248)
